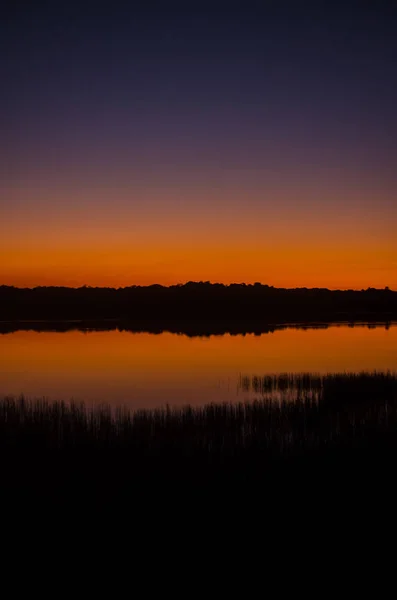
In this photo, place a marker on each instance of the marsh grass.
(292, 410)
(336, 423)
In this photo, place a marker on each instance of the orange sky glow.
(284, 247)
(143, 146)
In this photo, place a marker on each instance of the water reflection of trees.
(189, 329)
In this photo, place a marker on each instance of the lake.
(144, 370)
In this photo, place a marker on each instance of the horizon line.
(201, 282)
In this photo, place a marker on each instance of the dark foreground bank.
(339, 431)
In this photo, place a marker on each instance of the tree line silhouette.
(197, 305)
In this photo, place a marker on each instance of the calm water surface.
(147, 370)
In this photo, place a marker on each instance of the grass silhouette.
(293, 411)
(339, 429)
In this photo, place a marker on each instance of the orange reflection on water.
(146, 370)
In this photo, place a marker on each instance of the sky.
(162, 142)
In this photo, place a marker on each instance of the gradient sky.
(223, 141)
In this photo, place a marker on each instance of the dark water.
(147, 370)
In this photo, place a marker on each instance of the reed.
(292, 412)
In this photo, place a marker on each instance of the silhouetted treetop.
(194, 302)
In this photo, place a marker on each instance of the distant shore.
(194, 307)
